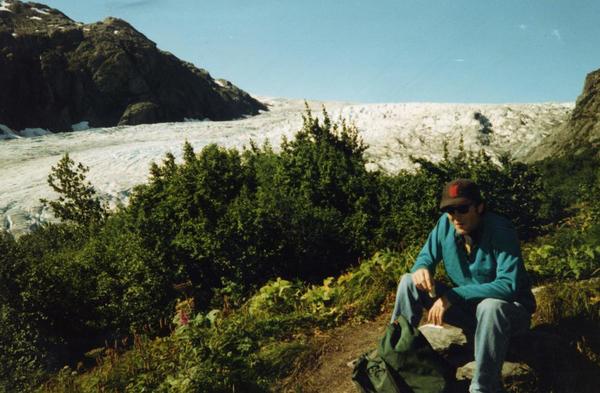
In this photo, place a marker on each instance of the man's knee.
(407, 303)
(493, 309)
(406, 283)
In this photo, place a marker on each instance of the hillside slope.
(582, 131)
(56, 73)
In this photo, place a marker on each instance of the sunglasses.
(460, 209)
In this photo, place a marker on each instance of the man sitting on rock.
(491, 296)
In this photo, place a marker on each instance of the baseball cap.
(460, 192)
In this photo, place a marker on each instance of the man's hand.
(436, 312)
(422, 280)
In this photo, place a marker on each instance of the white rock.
(441, 338)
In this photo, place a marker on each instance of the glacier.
(119, 157)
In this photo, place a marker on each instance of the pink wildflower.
(183, 317)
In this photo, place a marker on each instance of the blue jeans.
(492, 321)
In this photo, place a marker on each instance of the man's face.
(465, 218)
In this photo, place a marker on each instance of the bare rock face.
(585, 119)
(582, 131)
(55, 72)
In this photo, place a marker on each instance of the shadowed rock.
(511, 372)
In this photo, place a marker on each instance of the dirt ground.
(329, 372)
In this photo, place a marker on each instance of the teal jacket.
(494, 269)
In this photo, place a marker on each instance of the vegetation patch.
(261, 251)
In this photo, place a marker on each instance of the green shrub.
(365, 289)
(131, 287)
(277, 297)
(508, 187)
(304, 213)
(248, 349)
(567, 180)
(33, 293)
(52, 288)
(24, 358)
(320, 299)
(75, 292)
(408, 206)
(572, 251)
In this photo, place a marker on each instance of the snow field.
(120, 157)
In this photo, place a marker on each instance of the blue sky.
(375, 51)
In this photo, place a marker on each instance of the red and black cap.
(460, 192)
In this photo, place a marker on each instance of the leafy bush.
(63, 293)
(130, 286)
(508, 187)
(319, 299)
(23, 358)
(248, 349)
(408, 207)
(274, 297)
(571, 251)
(25, 350)
(567, 180)
(365, 289)
(303, 213)
(50, 286)
(571, 185)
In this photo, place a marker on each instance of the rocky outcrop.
(582, 132)
(585, 119)
(55, 72)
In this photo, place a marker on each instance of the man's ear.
(480, 208)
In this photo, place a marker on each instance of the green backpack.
(405, 363)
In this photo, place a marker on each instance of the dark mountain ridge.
(55, 72)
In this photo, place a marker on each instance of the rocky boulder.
(513, 374)
(557, 355)
(140, 113)
(55, 72)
